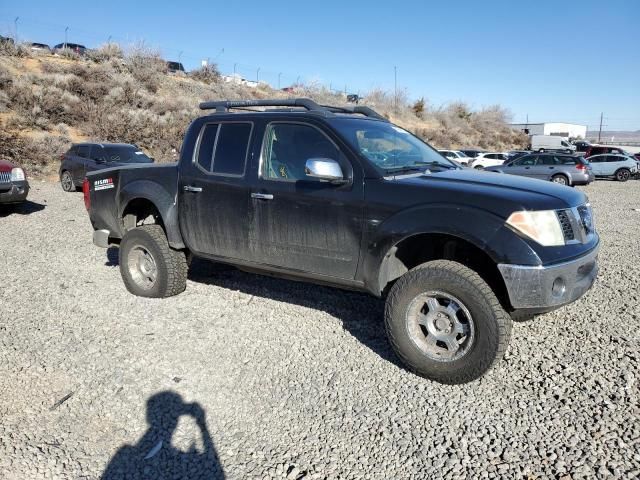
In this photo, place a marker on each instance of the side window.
(97, 153)
(614, 158)
(231, 148)
(287, 148)
(525, 161)
(491, 156)
(567, 160)
(596, 159)
(549, 160)
(83, 151)
(207, 143)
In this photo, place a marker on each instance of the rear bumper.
(544, 288)
(17, 193)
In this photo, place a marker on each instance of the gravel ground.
(245, 376)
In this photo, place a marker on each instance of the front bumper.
(545, 288)
(16, 193)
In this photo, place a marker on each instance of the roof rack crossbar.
(225, 105)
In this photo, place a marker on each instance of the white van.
(542, 143)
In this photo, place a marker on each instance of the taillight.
(581, 166)
(86, 194)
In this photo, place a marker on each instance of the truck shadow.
(361, 315)
(153, 455)
(24, 208)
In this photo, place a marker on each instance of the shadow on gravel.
(24, 208)
(361, 314)
(154, 456)
(113, 257)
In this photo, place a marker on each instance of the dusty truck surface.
(342, 197)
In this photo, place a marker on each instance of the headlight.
(17, 175)
(542, 226)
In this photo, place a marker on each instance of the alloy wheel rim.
(66, 181)
(440, 325)
(142, 267)
(560, 180)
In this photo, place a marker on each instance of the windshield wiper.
(437, 164)
(405, 169)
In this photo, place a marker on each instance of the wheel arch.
(142, 199)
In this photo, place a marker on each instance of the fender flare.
(476, 226)
(164, 202)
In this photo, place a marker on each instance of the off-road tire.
(171, 265)
(491, 322)
(623, 175)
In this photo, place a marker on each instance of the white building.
(559, 129)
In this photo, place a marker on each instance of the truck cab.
(339, 196)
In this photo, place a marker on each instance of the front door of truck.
(302, 223)
(213, 192)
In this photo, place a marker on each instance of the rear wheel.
(149, 266)
(623, 175)
(66, 181)
(560, 179)
(445, 322)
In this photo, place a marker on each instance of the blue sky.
(555, 61)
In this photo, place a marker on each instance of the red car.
(14, 187)
(602, 149)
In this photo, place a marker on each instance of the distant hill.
(617, 135)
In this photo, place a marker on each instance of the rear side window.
(231, 148)
(223, 148)
(83, 151)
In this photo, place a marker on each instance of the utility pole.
(15, 29)
(234, 69)
(258, 75)
(600, 131)
(66, 29)
(395, 86)
(109, 40)
(179, 56)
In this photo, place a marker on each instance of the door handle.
(262, 196)
(189, 188)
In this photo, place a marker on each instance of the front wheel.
(623, 175)
(149, 266)
(445, 323)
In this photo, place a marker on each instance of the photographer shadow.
(154, 457)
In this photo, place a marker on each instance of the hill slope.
(47, 102)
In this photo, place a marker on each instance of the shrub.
(208, 74)
(105, 53)
(418, 107)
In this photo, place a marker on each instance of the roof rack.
(224, 106)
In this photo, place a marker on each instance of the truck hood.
(502, 194)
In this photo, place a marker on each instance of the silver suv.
(555, 167)
(620, 167)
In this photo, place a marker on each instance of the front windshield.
(125, 154)
(391, 148)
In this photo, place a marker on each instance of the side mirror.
(324, 169)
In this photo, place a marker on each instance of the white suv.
(456, 155)
(484, 160)
(621, 167)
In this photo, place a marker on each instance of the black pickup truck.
(340, 196)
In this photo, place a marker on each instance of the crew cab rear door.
(301, 223)
(213, 192)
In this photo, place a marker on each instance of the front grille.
(586, 218)
(565, 224)
(5, 177)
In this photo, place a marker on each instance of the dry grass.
(127, 96)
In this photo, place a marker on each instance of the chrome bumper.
(101, 238)
(545, 288)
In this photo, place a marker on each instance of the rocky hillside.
(47, 102)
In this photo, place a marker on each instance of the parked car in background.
(14, 186)
(604, 149)
(39, 47)
(174, 67)
(620, 167)
(472, 153)
(555, 167)
(489, 159)
(74, 47)
(456, 155)
(550, 143)
(83, 158)
(581, 145)
(353, 98)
